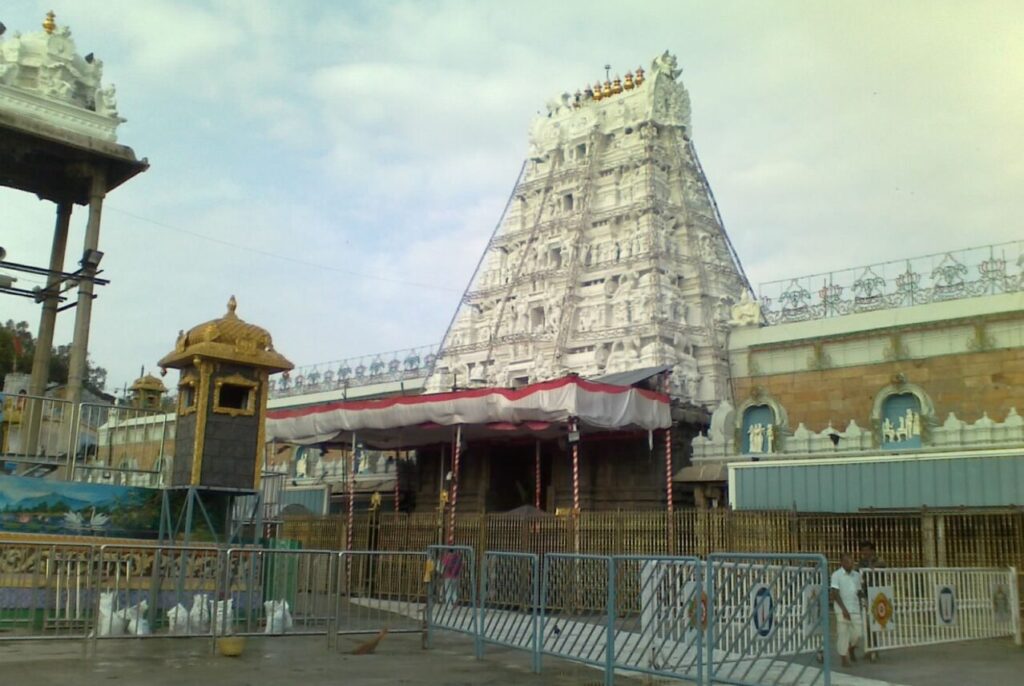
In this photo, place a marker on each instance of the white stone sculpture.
(747, 312)
(43, 77)
(755, 432)
(888, 432)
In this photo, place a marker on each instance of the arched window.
(901, 421)
(901, 415)
(758, 430)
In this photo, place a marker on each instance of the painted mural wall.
(41, 506)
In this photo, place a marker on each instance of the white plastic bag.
(224, 617)
(111, 623)
(177, 620)
(279, 617)
(199, 615)
(135, 616)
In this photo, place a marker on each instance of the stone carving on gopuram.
(610, 256)
(42, 76)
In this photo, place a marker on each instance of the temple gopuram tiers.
(610, 256)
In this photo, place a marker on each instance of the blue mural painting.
(758, 430)
(31, 505)
(901, 421)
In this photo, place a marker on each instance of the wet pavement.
(400, 659)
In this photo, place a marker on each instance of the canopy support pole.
(456, 452)
(351, 494)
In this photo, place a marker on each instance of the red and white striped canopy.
(538, 410)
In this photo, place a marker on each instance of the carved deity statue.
(756, 434)
(747, 312)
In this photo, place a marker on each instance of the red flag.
(17, 344)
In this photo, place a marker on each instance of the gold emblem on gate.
(881, 609)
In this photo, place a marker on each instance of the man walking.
(844, 590)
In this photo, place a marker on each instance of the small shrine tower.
(147, 392)
(222, 403)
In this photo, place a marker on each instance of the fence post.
(928, 540)
(609, 657)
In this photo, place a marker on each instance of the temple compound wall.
(935, 377)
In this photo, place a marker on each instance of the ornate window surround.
(759, 396)
(188, 382)
(236, 380)
(900, 386)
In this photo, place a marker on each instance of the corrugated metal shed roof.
(989, 479)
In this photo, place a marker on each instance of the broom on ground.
(370, 646)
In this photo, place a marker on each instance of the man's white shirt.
(848, 585)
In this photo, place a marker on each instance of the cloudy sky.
(340, 166)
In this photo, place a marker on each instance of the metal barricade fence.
(276, 592)
(380, 590)
(660, 616)
(510, 602)
(153, 590)
(124, 445)
(767, 619)
(577, 606)
(37, 433)
(46, 590)
(452, 592)
(924, 606)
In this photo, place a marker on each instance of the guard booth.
(222, 404)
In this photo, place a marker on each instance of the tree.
(18, 346)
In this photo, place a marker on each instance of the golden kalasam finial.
(617, 85)
(639, 76)
(606, 91)
(628, 85)
(597, 91)
(232, 305)
(49, 24)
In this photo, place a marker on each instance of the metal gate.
(380, 590)
(452, 592)
(767, 619)
(278, 591)
(915, 607)
(577, 605)
(510, 602)
(660, 616)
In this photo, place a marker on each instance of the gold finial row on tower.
(602, 91)
(50, 23)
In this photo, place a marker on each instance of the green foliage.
(10, 360)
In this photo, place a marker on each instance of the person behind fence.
(844, 591)
(451, 570)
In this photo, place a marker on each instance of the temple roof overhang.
(55, 164)
(539, 411)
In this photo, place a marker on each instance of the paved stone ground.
(400, 660)
(994, 663)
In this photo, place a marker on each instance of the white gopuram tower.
(610, 255)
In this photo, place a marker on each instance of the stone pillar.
(83, 313)
(48, 319)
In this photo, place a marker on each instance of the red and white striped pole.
(668, 468)
(536, 475)
(669, 474)
(457, 451)
(573, 429)
(351, 494)
(398, 461)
